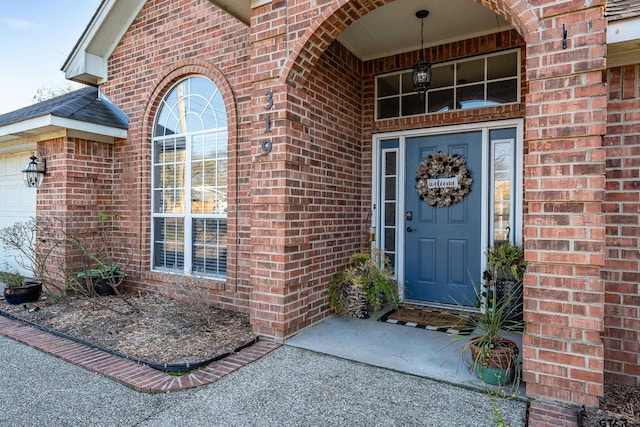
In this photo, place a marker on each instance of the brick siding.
(622, 205)
(166, 43)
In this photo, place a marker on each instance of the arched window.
(189, 226)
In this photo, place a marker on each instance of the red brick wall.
(564, 174)
(77, 187)
(167, 42)
(622, 207)
(564, 186)
(301, 208)
(309, 213)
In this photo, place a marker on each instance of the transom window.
(190, 171)
(471, 83)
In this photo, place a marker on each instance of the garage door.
(17, 202)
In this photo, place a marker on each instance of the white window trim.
(187, 216)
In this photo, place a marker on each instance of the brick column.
(622, 270)
(564, 188)
(268, 173)
(78, 185)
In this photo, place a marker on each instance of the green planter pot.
(498, 366)
(495, 376)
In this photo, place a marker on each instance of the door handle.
(409, 229)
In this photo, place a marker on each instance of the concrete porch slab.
(429, 354)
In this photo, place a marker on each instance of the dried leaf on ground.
(620, 406)
(163, 331)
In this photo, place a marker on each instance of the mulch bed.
(148, 327)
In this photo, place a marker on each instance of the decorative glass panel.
(390, 163)
(412, 105)
(209, 246)
(169, 176)
(407, 83)
(470, 97)
(502, 92)
(441, 76)
(501, 66)
(441, 101)
(389, 107)
(168, 243)
(390, 214)
(389, 183)
(389, 85)
(470, 71)
(502, 183)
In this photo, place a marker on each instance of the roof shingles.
(82, 105)
(622, 9)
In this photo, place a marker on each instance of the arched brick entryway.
(564, 184)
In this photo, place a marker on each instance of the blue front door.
(443, 244)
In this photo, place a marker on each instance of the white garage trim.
(17, 202)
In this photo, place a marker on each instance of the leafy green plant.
(11, 279)
(506, 261)
(496, 320)
(367, 279)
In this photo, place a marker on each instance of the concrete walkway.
(287, 387)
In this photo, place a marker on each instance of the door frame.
(402, 176)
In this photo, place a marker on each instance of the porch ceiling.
(394, 28)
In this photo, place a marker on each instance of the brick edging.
(136, 376)
(546, 414)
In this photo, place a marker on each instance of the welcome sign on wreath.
(437, 190)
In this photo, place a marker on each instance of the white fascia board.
(17, 147)
(623, 42)
(623, 31)
(87, 63)
(47, 122)
(88, 127)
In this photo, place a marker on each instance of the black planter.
(29, 292)
(103, 287)
(510, 290)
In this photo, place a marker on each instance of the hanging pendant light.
(421, 69)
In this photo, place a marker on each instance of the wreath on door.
(434, 167)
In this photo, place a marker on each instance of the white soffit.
(623, 42)
(87, 63)
(394, 28)
(241, 9)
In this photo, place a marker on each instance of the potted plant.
(102, 280)
(18, 289)
(20, 238)
(505, 269)
(494, 356)
(366, 282)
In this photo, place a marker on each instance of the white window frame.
(188, 216)
(403, 175)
